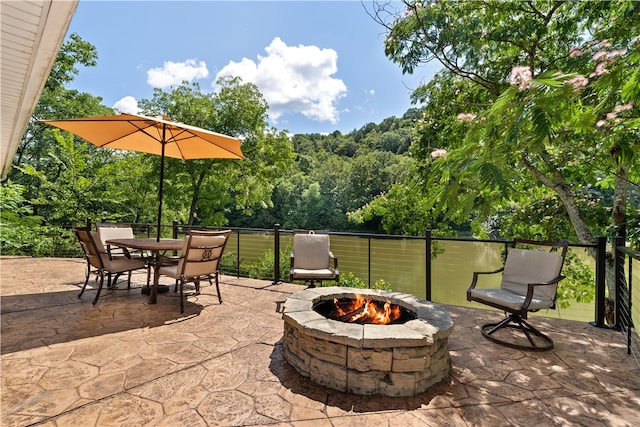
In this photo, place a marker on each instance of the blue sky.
(319, 64)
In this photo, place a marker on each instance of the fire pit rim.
(432, 323)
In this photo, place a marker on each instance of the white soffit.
(31, 34)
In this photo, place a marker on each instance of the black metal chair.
(199, 259)
(529, 282)
(100, 263)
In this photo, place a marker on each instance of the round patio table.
(158, 247)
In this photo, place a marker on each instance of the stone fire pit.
(391, 360)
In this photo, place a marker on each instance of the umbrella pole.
(164, 128)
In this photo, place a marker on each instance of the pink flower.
(466, 117)
(578, 82)
(521, 76)
(615, 53)
(623, 107)
(438, 152)
(599, 54)
(600, 123)
(600, 69)
(574, 52)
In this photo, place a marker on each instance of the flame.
(363, 310)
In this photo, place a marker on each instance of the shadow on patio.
(125, 362)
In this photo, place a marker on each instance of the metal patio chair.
(312, 260)
(529, 282)
(100, 263)
(199, 259)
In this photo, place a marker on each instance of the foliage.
(14, 209)
(350, 280)
(536, 99)
(578, 284)
(381, 285)
(38, 241)
(263, 267)
(199, 190)
(38, 149)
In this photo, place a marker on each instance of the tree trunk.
(196, 193)
(561, 188)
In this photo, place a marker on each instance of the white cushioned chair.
(529, 282)
(312, 260)
(109, 231)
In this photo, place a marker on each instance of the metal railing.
(276, 240)
(627, 314)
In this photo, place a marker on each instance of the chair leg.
(112, 285)
(86, 280)
(95, 300)
(516, 322)
(218, 289)
(182, 295)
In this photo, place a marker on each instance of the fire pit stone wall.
(391, 360)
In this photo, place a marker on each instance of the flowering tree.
(537, 102)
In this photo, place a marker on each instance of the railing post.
(369, 261)
(276, 254)
(631, 325)
(618, 262)
(428, 265)
(601, 261)
(238, 254)
(89, 222)
(174, 229)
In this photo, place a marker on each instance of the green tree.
(550, 103)
(199, 191)
(46, 162)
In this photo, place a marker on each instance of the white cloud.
(174, 73)
(294, 79)
(128, 104)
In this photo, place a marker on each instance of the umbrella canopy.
(154, 136)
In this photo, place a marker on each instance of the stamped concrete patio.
(66, 362)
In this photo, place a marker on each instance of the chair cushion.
(524, 266)
(311, 251)
(108, 233)
(125, 264)
(506, 298)
(323, 273)
(170, 270)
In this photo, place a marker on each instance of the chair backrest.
(102, 252)
(113, 231)
(108, 233)
(202, 252)
(524, 266)
(90, 248)
(311, 251)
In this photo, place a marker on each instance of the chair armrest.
(474, 282)
(125, 251)
(170, 260)
(531, 287)
(335, 261)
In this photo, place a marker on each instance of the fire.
(363, 310)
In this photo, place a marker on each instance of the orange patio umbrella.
(152, 135)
